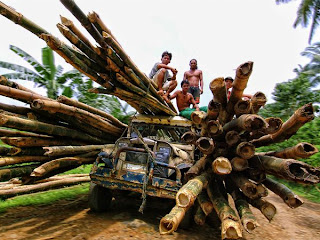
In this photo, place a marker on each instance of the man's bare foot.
(166, 98)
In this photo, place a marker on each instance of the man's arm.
(173, 70)
(185, 76)
(174, 95)
(201, 82)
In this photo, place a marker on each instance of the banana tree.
(46, 75)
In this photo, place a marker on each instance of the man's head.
(228, 81)
(185, 85)
(193, 64)
(166, 57)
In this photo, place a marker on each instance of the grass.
(45, 198)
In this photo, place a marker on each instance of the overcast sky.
(221, 35)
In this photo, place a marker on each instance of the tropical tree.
(291, 95)
(309, 10)
(312, 69)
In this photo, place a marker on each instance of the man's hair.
(166, 53)
(184, 82)
(228, 78)
(194, 60)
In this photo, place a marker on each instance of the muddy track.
(65, 220)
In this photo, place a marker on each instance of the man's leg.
(159, 79)
(196, 94)
(186, 113)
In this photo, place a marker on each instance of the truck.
(150, 159)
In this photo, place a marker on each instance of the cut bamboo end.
(186, 196)
(170, 222)
(293, 201)
(239, 164)
(268, 210)
(205, 145)
(221, 166)
(249, 225)
(245, 150)
(274, 124)
(230, 229)
(232, 138)
(189, 137)
(198, 116)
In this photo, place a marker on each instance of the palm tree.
(308, 10)
(44, 75)
(312, 69)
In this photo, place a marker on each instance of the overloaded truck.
(150, 159)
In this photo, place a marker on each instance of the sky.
(221, 35)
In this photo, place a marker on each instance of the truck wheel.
(99, 198)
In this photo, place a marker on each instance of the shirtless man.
(160, 75)
(184, 100)
(194, 76)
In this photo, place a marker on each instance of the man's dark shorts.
(195, 91)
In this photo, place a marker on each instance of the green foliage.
(289, 96)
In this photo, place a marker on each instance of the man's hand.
(174, 71)
(161, 92)
(201, 91)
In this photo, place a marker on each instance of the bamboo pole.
(199, 216)
(189, 137)
(40, 127)
(248, 220)
(20, 95)
(214, 108)
(14, 133)
(39, 142)
(5, 161)
(188, 193)
(288, 196)
(197, 168)
(80, 114)
(197, 117)
(170, 222)
(301, 150)
(219, 91)
(232, 138)
(265, 207)
(246, 122)
(230, 227)
(289, 169)
(15, 172)
(4, 150)
(28, 151)
(45, 168)
(15, 109)
(247, 187)
(83, 106)
(243, 73)
(73, 150)
(25, 189)
(301, 116)
(204, 202)
(68, 23)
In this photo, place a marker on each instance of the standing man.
(160, 75)
(194, 76)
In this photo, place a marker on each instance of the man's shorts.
(195, 91)
(166, 83)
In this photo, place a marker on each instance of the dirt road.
(73, 220)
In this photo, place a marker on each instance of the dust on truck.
(150, 160)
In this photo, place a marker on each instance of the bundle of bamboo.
(230, 164)
(49, 137)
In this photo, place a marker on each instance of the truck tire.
(99, 198)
